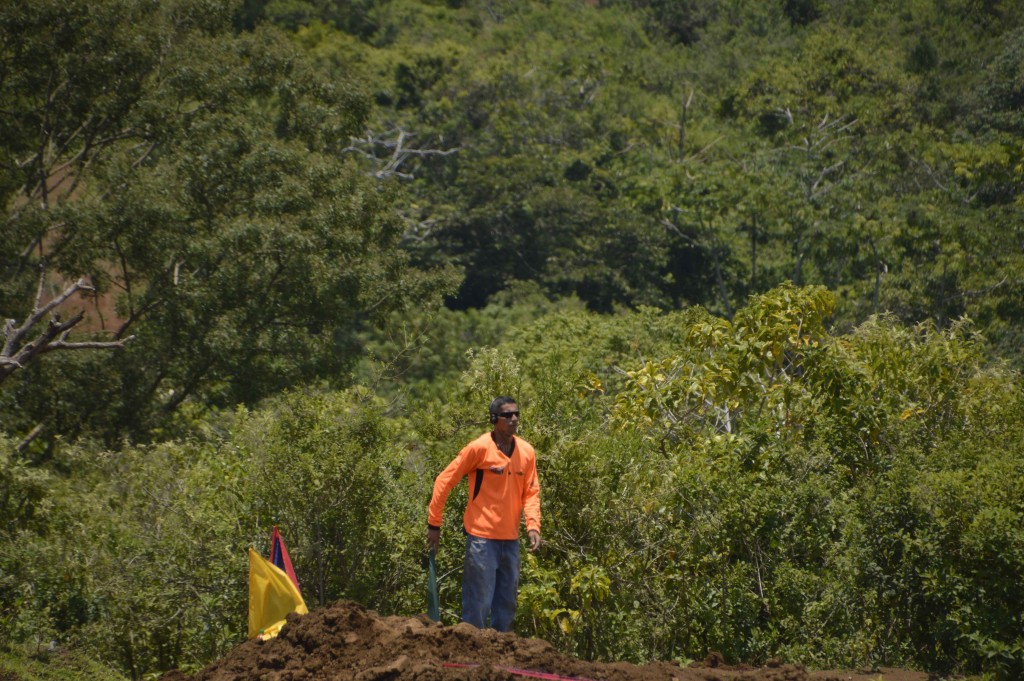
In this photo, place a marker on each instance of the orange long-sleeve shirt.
(502, 489)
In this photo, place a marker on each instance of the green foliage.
(827, 484)
(193, 174)
(760, 486)
(27, 664)
(649, 153)
(140, 556)
(419, 350)
(336, 475)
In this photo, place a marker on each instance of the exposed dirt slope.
(345, 641)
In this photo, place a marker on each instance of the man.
(503, 487)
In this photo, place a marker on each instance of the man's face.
(508, 424)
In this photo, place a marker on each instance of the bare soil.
(345, 641)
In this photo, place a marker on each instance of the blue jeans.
(490, 579)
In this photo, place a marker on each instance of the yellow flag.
(271, 597)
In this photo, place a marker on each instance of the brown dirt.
(345, 641)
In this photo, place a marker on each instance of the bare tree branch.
(17, 353)
(978, 293)
(395, 152)
(27, 440)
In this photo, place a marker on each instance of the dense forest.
(754, 270)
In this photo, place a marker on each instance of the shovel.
(433, 604)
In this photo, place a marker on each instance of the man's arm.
(531, 506)
(445, 482)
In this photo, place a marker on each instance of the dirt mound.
(345, 641)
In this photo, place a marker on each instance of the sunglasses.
(507, 414)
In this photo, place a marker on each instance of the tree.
(194, 177)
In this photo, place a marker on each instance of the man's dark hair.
(498, 402)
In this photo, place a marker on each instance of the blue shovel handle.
(433, 603)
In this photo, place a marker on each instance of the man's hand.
(534, 536)
(433, 539)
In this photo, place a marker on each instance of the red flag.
(279, 557)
